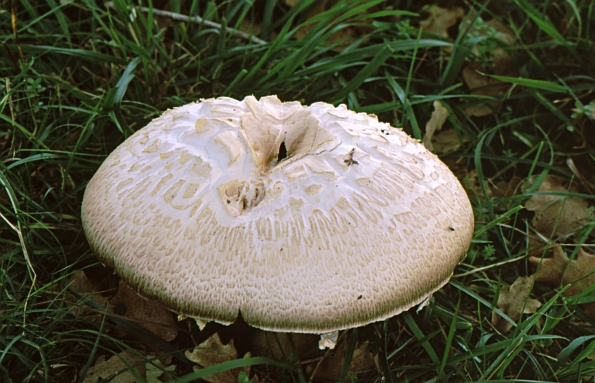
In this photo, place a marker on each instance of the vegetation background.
(503, 91)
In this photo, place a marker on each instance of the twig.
(197, 20)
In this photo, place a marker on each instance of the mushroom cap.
(303, 218)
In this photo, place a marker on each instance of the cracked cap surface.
(303, 218)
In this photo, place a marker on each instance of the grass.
(78, 77)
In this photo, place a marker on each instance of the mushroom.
(306, 219)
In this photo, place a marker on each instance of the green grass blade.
(367, 71)
(77, 53)
(531, 83)
(542, 22)
(230, 365)
(420, 337)
(114, 99)
(406, 104)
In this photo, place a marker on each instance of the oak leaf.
(212, 352)
(555, 213)
(79, 283)
(439, 19)
(514, 302)
(579, 273)
(434, 124)
(149, 314)
(115, 368)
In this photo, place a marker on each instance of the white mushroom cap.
(203, 210)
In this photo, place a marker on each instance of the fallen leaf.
(149, 314)
(515, 301)
(557, 214)
(481, 85)
(82, 285)
(439, 19)
(447, 141)
(155, 370)
(212, 352)
(104, 369)
(115, 366)
(551, 270)
(437, 119)
(579, 273)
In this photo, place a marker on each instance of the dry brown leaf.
(81, 284)
(579, 273)
(439, 20)
(155, 370)
(446, 141)
(554, 214)
(212, 352)
(551, 270)
(438, 118)
(104, 369)
(149, 314)
(515, 301)
(481, 85)
(559, 270)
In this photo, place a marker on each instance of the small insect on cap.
(303, 218)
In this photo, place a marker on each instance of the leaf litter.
(578, 273)
(514, 301)
(149, 314)
(440, 20)
(118, 368)
(212, 352)
(434, 124)
(557, 214)
(80, 285)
